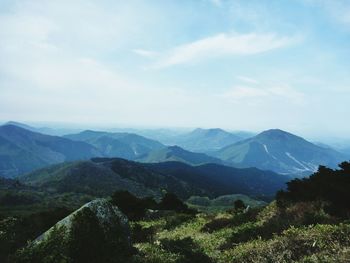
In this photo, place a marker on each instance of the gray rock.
(106, 213)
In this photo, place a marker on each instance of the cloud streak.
(223, 45)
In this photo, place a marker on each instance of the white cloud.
(244, 92)
(247, 80)
(216, 2)
(223, 45)
(263, 94)
(338, 10)
(145, 53)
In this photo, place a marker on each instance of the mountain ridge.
(279, 151)
(176, 153)
(23, 150)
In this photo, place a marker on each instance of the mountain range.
(222, 180)
(103, 176)
(124, 145)
(176, 153)
(22, 150)
(44, 130)
(281, 152)
(205, 140)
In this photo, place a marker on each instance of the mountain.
(222, 180)
(346, 151)
(43, 130)
(176, 153)
(124, 145)
(21, 125)
(104, 176)
(205, 140)
(164, 135)
(23, 151)
(281, 152)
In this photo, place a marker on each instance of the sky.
(238, 65)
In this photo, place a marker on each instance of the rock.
(105, 212)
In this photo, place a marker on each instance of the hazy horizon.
(235, 65)
(68, 128)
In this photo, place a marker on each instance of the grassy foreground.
(259, 235)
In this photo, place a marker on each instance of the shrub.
(235, 220)
(16, 232)
(239, 205)
(51, 250)
(216, 224)
(173, 221)
(133, 207)
(190, 251)
(141, 234)
(172, 202)
(327, 185)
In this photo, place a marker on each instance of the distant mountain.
(176, 153)
(103, 176)
(223, 180)
(281, 152)
(244, 134)
(165, 136)
(346, 151)
(124, 145)
(23, 151)
(21, 125)
(205, 140)
(44, 130)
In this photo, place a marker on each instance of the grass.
(264, 237)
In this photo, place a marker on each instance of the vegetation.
(87, 240)
(16, 231)
(221, 203)
(296, 228)
(177, 154)
(308, 222)
(101, 177)
(327, 186)
(133, 207)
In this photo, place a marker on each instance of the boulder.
(105, 212)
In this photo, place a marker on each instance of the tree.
(134, 208)
(172, 202)
(239, 205)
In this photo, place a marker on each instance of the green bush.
(51, 250)
(133, 207)
(327, 185)
(173, 221)
(216, 224)
(16, 232)
(189, 251)
(235, 220)
(141, 234)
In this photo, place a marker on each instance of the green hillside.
(101, 177)
(177, 154)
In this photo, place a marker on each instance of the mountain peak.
(175, 148)
(276, 132)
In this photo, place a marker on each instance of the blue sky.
(238, 65)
